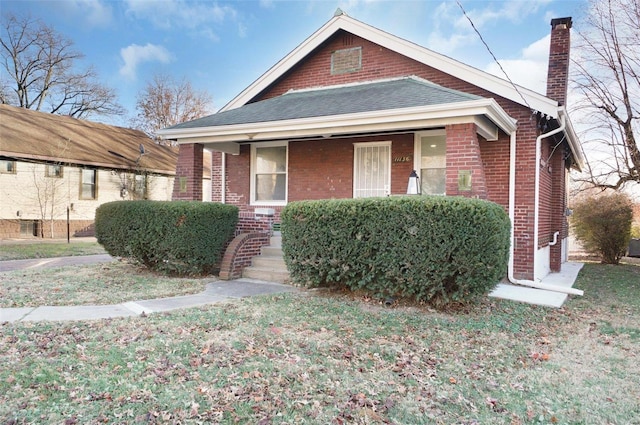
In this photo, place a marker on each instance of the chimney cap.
(561, 23)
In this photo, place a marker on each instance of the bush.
(184, 238)
(438, 249)
(603, 225)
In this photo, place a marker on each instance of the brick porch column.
(465, 172)
(187, 185)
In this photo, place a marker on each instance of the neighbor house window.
(432, 149)
(140, 186)
(7, 166)
(269, 173)
(54, 171)
(372, 169)
(89, 184)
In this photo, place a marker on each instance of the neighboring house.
(353, 110)
(49, 163)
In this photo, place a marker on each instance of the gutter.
(512, 196)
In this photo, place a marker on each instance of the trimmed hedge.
(429, 248)
(177, 237)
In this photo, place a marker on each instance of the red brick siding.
(463, 154)
(189, 166)
(495, 163)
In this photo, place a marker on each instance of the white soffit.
(406, 48)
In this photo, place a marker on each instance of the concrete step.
(273, 262)
(266, 273)
(276, 241)
(271, 251)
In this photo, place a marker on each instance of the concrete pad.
(14, 314)
(528, 295)
(83, 312)
(565, 278)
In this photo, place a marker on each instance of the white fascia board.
(574, 142)
(484, 112)
(503, 88)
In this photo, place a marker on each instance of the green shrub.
(603, 225)
(184, 238)
(438, 249)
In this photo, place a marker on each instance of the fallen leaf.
(452, 380)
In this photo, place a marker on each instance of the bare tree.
(41, 67)
(165, 102)
(607, 76)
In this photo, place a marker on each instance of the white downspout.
(223, 183)
(512, 198)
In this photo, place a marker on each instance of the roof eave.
(574, 141)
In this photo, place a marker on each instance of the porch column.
(187, 185)
(465, 171)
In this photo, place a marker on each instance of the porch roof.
(378, 106)
(336, 100)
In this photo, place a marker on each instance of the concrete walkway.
(35, 263)
(215, 292)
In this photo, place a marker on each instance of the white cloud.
(88, 13)
(530, 69)
(179, 14)
(133, 55)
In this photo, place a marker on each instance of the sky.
(223, 46)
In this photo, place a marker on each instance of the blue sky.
(222, 46)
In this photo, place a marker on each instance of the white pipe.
(512, 198)
(555, 239)
(223, 182)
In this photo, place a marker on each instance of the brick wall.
(463, 155)
(187, 185)
(10, 229)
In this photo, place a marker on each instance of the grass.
(330, 358)
(25, 250)
(108, 283)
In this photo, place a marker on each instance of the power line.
(492, 55)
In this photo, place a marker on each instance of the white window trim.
(364, 145)
(253, 173)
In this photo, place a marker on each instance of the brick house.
(50, 163)
(353, 110)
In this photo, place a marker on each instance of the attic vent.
(346, 60)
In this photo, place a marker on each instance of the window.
(7, 166)
(89, 184)
(372, 169)
(139, 186)
(54, 171)
(269, 173)
(29, 228)
(432, 148)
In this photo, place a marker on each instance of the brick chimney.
(558, 74)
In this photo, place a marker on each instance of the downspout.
(512, 198)
(223, 182)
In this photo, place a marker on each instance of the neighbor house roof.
(337, 100)
(36, 136)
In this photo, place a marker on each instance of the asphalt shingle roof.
(367, 97)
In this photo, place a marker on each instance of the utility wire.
(492, 55)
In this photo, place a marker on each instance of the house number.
(402, 159)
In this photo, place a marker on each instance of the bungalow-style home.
(52, 164)
(353, 111)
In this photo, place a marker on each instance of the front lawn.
(319, 358)
(108, 283)
(11, 250)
